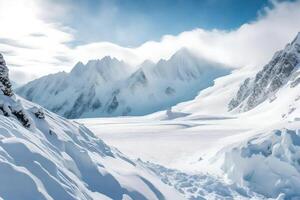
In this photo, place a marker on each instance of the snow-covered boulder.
(38, 112)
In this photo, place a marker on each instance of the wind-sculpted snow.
(53, 158)
(267, 163)
(270, 79)
(109, 87)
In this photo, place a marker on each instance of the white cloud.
(32, 44)
(36, 47)
(251, 44)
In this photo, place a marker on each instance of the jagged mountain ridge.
(109, 87)
(283, 67)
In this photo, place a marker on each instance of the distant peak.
(109, 59)
(298, 35)
(106, 58)
(146, 63)
(78, 68)
(297, 39)
(79, 64)
(182, 53)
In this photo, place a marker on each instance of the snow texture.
(206, 151)
(54, 158)
(203, 149)
(268, 163)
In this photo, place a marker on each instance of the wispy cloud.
(36, 46)
(30, 41)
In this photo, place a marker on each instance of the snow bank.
(268, 163)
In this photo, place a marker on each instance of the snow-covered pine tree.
(8, 105)
(5, 84)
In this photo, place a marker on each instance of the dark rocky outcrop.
(269, 80)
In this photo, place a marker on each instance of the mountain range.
(247, 125)
(109, 87)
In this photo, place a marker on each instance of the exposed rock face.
(113, 105)
(273, 76)
(38, 112)
(169, 90)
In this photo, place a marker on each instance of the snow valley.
(196, 119)
(237, 139)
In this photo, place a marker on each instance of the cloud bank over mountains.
(34, 46)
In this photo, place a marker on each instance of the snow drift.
(267, 163)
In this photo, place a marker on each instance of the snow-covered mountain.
(283, 68)
(245, 152)
(220, 151)
(44, 156)
(264, 110)
(109, 87)
(274, 88)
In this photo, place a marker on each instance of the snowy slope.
(247, 153)
(266, 162)
(283, 67)
(108, 87)
(272, 91)
(44, 156)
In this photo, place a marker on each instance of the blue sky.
(133, 22)
(39, 37)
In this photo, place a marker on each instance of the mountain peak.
(110, 59)
(107, 58)
(297, 39)
(78, 68)
(270, 79)
(183, 52)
